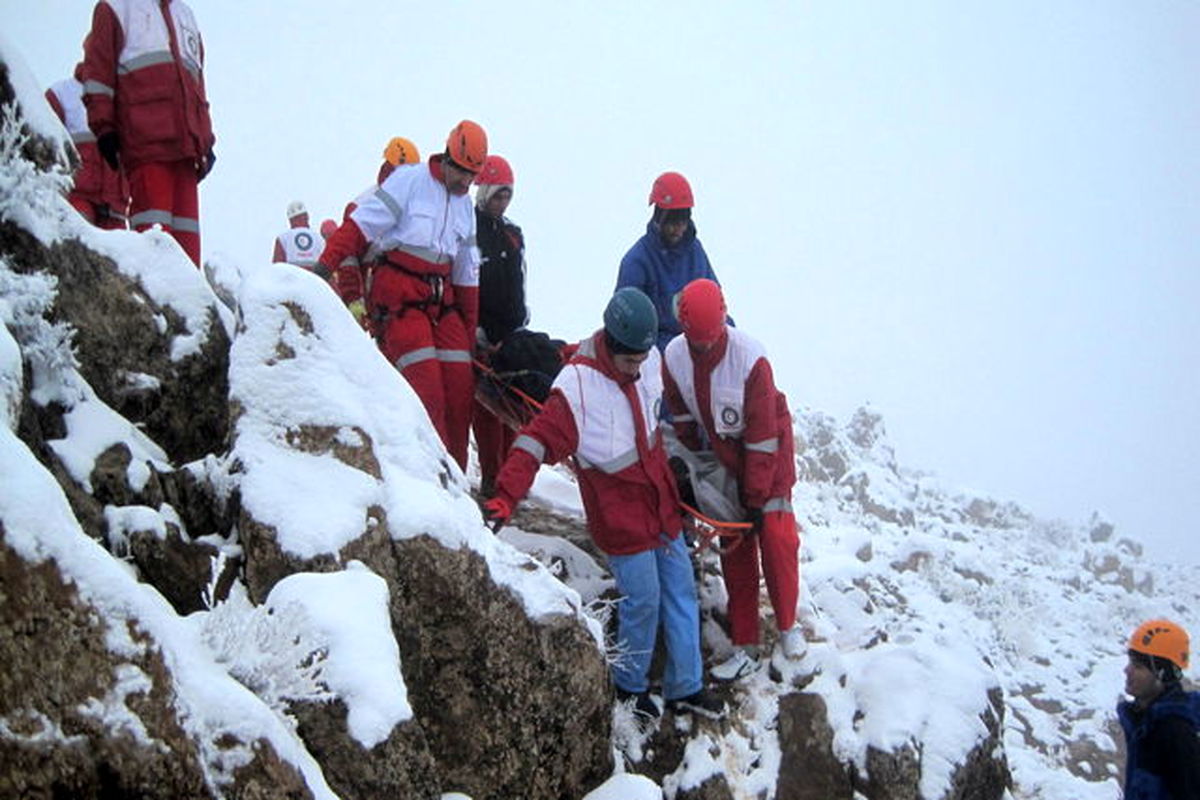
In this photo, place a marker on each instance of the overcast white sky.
(981, 219)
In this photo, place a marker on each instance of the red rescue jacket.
(729, 394)
(609, 423)
(95, 181)
(143, 77)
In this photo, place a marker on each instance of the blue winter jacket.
(662, 272)
(1163, 753)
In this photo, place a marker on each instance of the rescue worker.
(355, 277)
(424, 291)
(99, 192)
(502, 307)
(669, 256)
(1161, 722)
(299, 244)
(603, 412)
(143, 86)
(721, 396)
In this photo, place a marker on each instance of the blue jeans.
(658, 587)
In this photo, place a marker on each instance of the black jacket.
(501, 276)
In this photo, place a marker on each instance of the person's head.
(328, 228)
(297, 214)
(701, 312)
(671, 196)
(495, 186)
(1158, 654)
(630, 329)
(466, 150)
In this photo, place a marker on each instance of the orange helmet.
(401, 151)
(1163, 639)
(467, 145)
(671, 190)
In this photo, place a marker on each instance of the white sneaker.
(792, 643)
(738, 665)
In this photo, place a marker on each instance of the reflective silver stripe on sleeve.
(777, 504)
(145, 60)
(765, 446)
(349, 261)
(390, 202)
(454, 356)
(683, 418)
(532, 446)
(424, 253)
(151, 217)
(415, 357)
(185, 224)
(96, 87)
(83, 137)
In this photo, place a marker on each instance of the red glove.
(496, 513)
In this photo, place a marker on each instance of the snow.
(39, 526)
(362, 667)
(918, 599)
(92, 428)
(300, 369)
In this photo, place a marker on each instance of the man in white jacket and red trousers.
(419, 227)
(721, 394)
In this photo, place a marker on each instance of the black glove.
(109, 145)
(205, 166)
(755, 517)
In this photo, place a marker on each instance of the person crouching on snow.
(603, 409)
(721, 395)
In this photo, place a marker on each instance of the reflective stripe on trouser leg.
(166, 194)
(458, 383)
(407, 342)
(781, 565)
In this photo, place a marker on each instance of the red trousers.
(494, 439)
(166, 194)
(778, 546)
(433, 353)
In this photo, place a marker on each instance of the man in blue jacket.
(1162, 721)
(669, 256)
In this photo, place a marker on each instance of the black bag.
(529, 361)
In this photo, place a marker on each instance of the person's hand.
(205, 166)
(109, 145)
(755, 517)
(496, 512)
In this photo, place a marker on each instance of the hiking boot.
(792, 643)
(643, 705)
(737, 666)
(701, 703)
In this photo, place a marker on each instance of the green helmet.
(631, 320)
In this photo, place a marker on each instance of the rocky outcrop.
(80, 720)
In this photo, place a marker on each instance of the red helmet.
(701, 311)
(467, 145)
(671, 190)
(328, 227)
(495, 172)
